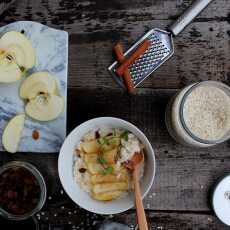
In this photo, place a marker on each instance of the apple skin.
(12, 133)
(45, 107)
(38, 82)
(20, 47)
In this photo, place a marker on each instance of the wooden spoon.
(134, 166)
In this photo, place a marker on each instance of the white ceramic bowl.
(82, 198)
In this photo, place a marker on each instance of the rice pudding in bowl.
(199, 115)
(100, 159)
(85, 172)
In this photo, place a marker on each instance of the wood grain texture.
(176, 221)
(180, 196)
(184, 176)
(201, 51)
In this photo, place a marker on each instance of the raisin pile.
(19, 191)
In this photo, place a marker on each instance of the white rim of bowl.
(147, 141)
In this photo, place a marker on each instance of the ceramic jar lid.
(221, 200)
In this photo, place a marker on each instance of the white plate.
(82, 198)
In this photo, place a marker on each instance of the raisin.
(82, 170)
(35, 135)
(78, 153)
(19, 191)
(97, 134)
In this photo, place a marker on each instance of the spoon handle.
(141, 218)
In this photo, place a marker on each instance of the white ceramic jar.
(199, 115)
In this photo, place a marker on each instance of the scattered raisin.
(35, 135)
(97, 134)
(78, 153)
(82, 170)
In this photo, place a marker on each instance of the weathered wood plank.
(201, 51)
(157, 220)
(200, 54)
(180, 184)
(176, 221)
(68, 13)
(71, 217)
(184, 175)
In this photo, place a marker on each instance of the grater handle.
(196, 7)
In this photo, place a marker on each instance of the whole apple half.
(16, 56)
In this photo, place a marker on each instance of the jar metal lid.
(221, 200)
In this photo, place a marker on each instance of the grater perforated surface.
(160, 50)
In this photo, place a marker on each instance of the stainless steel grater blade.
(161, 48)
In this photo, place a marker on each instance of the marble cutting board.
(51, 47)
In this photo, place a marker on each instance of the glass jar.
(40, 181)
(175, 115)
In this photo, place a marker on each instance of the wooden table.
(179, 198)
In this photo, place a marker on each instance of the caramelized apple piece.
(107, 196)
(110, 178)
(110, 156)
(91, 146)
(110, 187)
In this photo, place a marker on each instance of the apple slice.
(12, 133)
(42, 91)
(45, 107)
(9, 70)
(36, 89)
(20, 47)
(40, 82)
